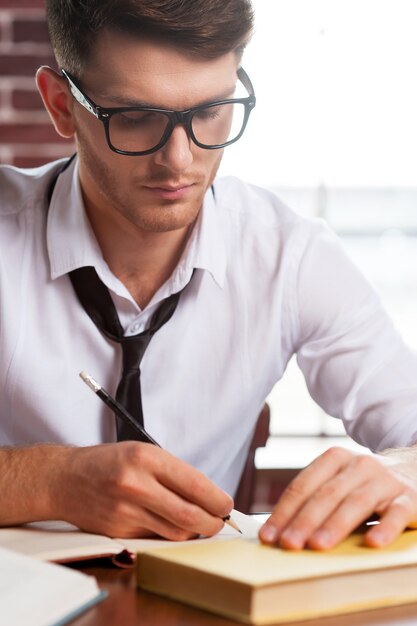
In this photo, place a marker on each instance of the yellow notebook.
(258, 584)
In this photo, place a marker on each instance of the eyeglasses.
(141, 130)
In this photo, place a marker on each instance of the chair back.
(245, 493)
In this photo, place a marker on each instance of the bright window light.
(334, 134)
(337, 95)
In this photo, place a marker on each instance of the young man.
(146, 89)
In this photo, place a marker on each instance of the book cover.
(258, 584)
(41, 594)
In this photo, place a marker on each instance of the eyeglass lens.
(137, 131)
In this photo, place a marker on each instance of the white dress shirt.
(268, 284)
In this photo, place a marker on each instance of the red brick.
(2, 32)
(27, 100)
(24, 64)
(30, 30)
(29, 133)
(4, 101)
(35, 161)
(22, 4)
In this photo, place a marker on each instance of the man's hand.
(126, 489)
(339, 490)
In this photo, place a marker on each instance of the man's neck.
(142, 260)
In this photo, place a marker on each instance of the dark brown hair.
(208, 28)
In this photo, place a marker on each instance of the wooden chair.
(246, 490)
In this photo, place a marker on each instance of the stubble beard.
(163, 216)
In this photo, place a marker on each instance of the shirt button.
(135, 328)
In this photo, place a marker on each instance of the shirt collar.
(71, 241)
(70, 238)
(206, 247)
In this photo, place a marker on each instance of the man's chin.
(166, 218)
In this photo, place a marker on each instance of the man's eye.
(138, 117)
(211, 113)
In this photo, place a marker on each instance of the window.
(337, 92)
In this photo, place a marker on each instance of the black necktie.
(96, 300)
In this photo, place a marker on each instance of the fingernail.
(376, 537)
(292, 539)
(269, 533)
(322, 538)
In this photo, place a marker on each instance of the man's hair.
(208, 28)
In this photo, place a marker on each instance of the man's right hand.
(126, 489)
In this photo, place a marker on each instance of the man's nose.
(176, 154)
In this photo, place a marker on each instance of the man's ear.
(57, 100)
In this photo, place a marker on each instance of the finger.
(150, 502)
(176, 476)
(393, 521)
(357, 506)
(305, 484)
(179, 512)
(193, 486)
(322, 504)
(187, 515)
(329, 496)
(152, 525)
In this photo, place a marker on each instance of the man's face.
(162, 191)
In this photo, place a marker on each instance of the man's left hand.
(338, 491)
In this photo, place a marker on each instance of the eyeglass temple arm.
(79, 96)
(246, 81)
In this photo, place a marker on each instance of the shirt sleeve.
(356, 365)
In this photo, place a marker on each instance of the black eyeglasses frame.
(183, 117)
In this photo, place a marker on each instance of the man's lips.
(170, 191)
(169, 186)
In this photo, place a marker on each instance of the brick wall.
(27, 137)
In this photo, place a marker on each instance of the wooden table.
(127, 606)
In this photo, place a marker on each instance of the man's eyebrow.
(124, 101)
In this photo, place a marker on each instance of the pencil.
(121, 412)
(118, 408)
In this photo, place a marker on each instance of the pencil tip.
(228, 520)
